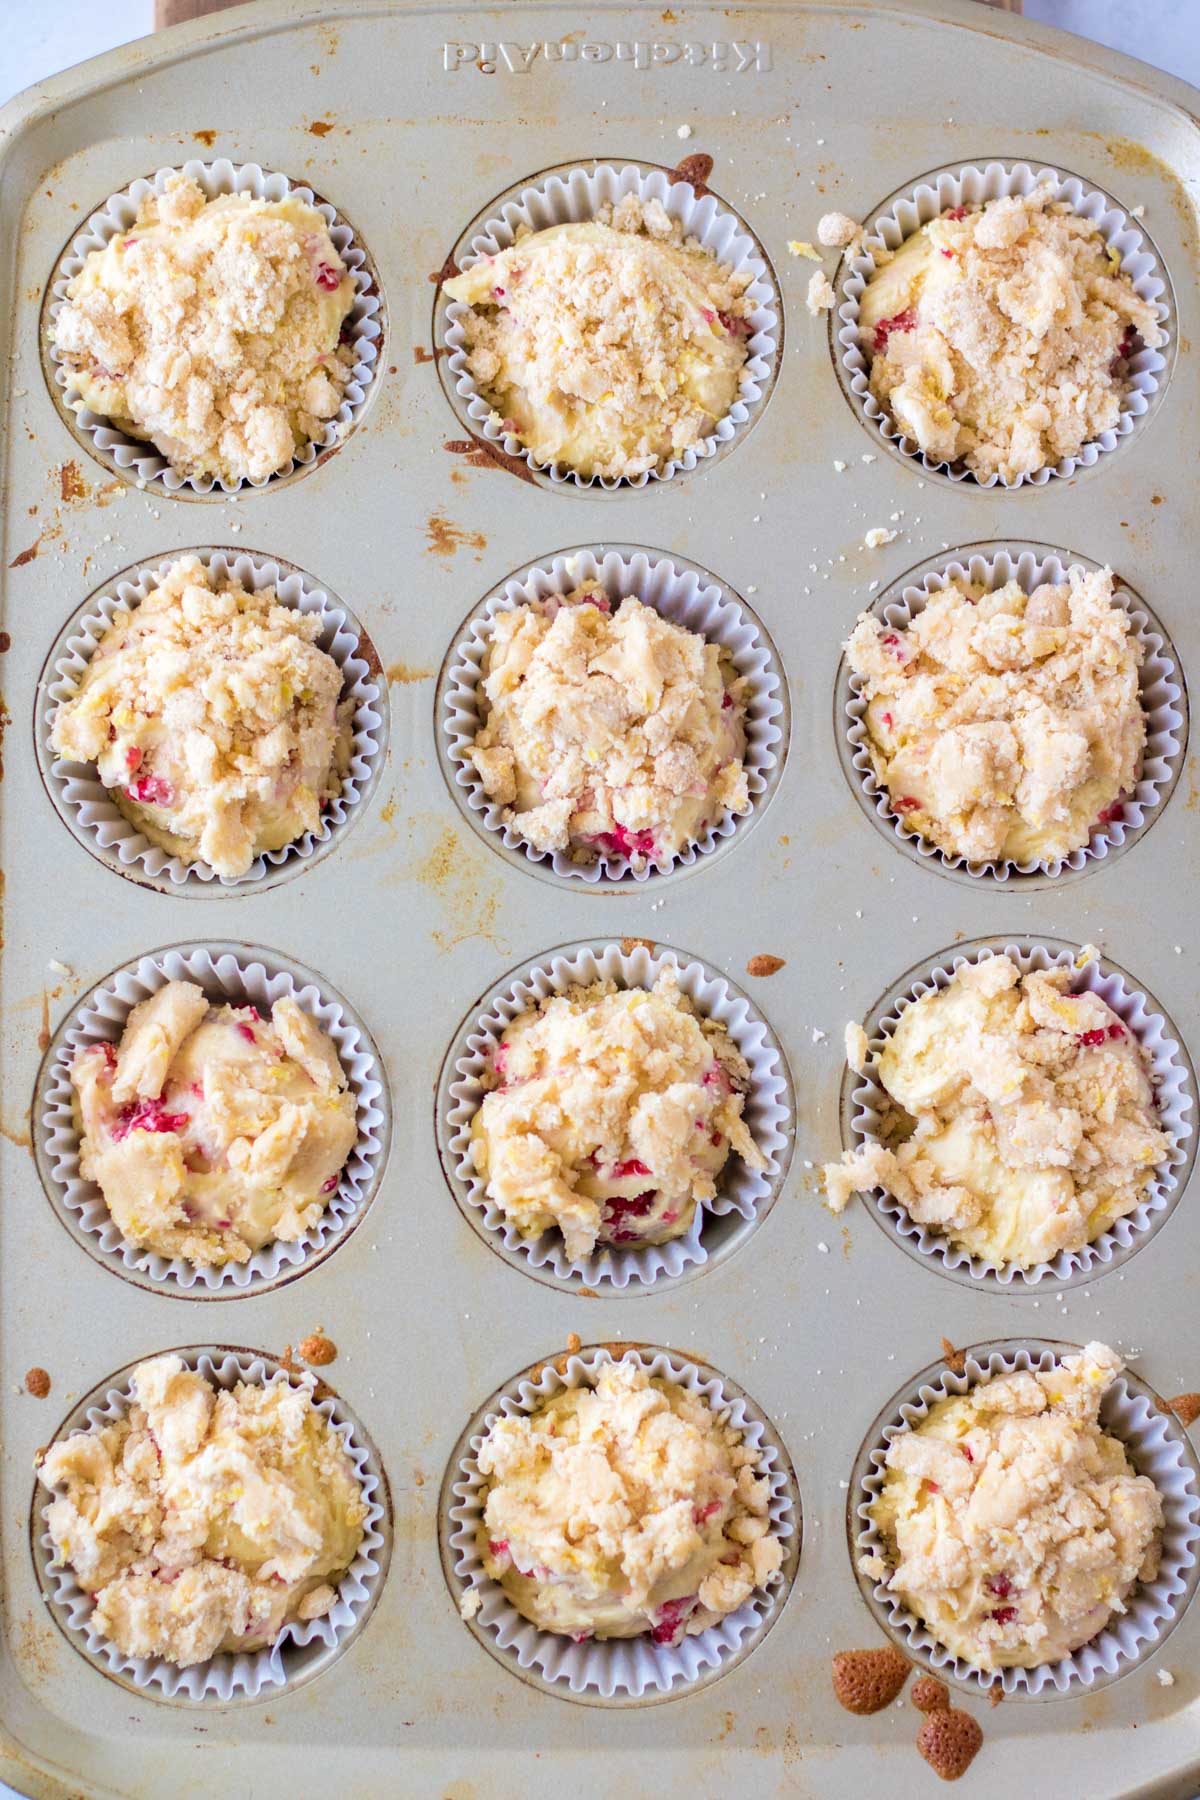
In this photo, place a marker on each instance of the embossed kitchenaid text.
(740, 57)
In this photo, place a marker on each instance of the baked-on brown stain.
(865, 1681)
(422, 355)
(321, 127)
(37, 1382)
(630, 944)
(480, 454)
(26, 556)
(956, 1360)
(695, 170)
(1186, 1407)
(43, 1038)
(72, 486)
(5, 642)
(404, 673)
(443, 537)
(447, 272)
(1156, 499)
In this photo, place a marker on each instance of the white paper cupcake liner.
(302, 1647)
(940, 192)
(621, 1669)
(573, 193)
(87, 808)
(686, 596)
(1157, 1445)
(1171, 1075)
(237, 975)
(1160, 682)
(744, 1195)
(136, 457)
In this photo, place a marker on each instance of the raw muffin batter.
(214, 719)
(614, 1112)
(622, 1508)
(1000, 336)
(1015, 1525)
(612, 345)
(1036, 1124)
(210, 1130)
(212, 329)
(205, 1519)
(612, 735)
(1005, 725)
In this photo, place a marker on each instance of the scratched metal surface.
(414, 917)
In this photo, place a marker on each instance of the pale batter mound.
(214, 719)
(211, 1130)
(609, 735)
(625, 1507)
(1015, 1526)
(1000, 336)
(614, 1112)
(205, 1519)
(612, 345)
(212, 328)
(1035, 1121)
(1005, 725)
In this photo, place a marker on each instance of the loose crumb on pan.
(37, 1382)
(837, 229)
(858, 1048)
(765, 964)
(317, 1349)
(955, 1360)
(820, 296)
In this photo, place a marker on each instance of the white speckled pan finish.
(411, 120)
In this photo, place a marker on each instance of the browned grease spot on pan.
(480, 454)
(71, 484)
(404, 673)
(16, 1135)
(321, 127)
(443, 537)
(26, 556)
(44, 1034)
(5, 642)
(630, 944)
(208, 138)
(422, 355)
(469, 899)
(447, 272)
(695, 170)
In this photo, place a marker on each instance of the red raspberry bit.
(727, 702)
(906, 804)
(714, 1137)
(671, 1616)
(224, 1224)
(327, 278)
(1111, 813)
(714, 1077)
(958, 212)
(1116, 1031)
(498, 1546)
(327, 1187)
(670, 1216)
(109, 1053)
(901, 321)
(1004, 1615)
(708, 313)
(735, 326)
(133, 757)
(634, 1166)
(498, 292)
(620, 841)
(617, 1210)
(966, 1450)
(933, 1487)
(700, 1513)
(888, 720)
(146, 1115)
(1000, 1585)
(246, 1031)
(948, 253)
(1093, 1037)
(151, 790)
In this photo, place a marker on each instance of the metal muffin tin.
(412, 120)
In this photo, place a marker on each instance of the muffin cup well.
(744, 1195)
(136, 458)
(303, 1648)
(944, 189)
(1157, 1445)
(1163, 693)
(684, 594)
(86, 806)
(574, 192)
(234, 975)
(616, 1670)
(866, 1104)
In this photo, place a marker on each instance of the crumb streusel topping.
(1036, 1125)
(205, 1519)
(609, 734)
(1005, 725)
(613, 1114)
(611, 345)
(1015, 1526)
(1000, 335)
(212, 329)
(214, 719)
(624, 1507)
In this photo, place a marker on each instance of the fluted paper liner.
(1159, 681)
(567, 197)
(685, 596)
(1170, 1075)
(744, 1195)
(636, 1668)
(85, 804)
(1157, 1445)
(137, 457)
(230, 1675)
(971, 185)
(256, 977)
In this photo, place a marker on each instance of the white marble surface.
(40, 40)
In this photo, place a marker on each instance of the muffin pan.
(418, 916)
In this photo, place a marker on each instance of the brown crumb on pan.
(37, 1383)
(1186, 1407)
(287, 1361)
(317, 1349)
(765, 965)
(321, 127)
(956, 1360)
(573, 1343)
(588, 1293)
(630, 944)
(929, 1694)
(949, 1741)
(695, 170)
(995, 1694)
(865, 1681)
(418, 1478)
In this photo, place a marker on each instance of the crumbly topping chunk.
(1036, 1125)
(1015, 1524)
(1001, 336)
(206, 1518)
(610, 346)
(213, 717)
(212, 329)
(210, 1130)
(614, 1112)
(1005, 725)
(610, 734)
(625, 1507)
